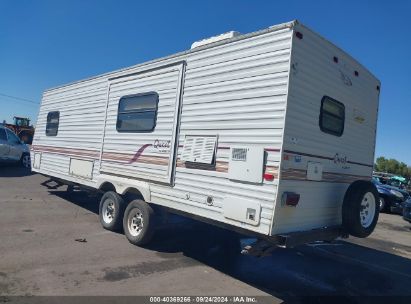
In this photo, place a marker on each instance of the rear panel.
(318, 161)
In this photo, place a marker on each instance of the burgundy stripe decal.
(138, 153)
(361, 164)
(228, 148)
(302, 171)
(326, 157)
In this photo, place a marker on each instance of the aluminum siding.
(235, 90)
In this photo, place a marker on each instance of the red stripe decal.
(138, 153)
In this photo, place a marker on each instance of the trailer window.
(332, 116)
(137, 113)
(52, 126)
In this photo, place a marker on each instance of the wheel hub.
(135, 223)
(26, 161)
(367, 210)
(108, 211)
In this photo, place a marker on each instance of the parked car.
(392, 199)
(406, 212)
(12, 149)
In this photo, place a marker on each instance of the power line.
(19, 98)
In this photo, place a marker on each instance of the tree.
(393, 166)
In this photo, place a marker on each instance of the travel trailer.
(270, 133)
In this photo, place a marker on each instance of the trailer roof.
(273, 28)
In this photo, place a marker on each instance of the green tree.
(393, 166)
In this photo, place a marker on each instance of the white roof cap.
(220, 37)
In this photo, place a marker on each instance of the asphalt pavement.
(51, 243)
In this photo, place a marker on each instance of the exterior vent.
(246, 164)
(199, 149)
(213, 39)
(239, 154)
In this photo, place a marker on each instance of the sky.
(44, 44)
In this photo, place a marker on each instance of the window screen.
(52, 126)
(137, 113)
(332, 116)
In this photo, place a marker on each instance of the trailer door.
(141, 124)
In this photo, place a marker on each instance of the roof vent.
(213, 39)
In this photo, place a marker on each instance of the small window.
(52, 126)
(137, 113)
(3, 135)
(332, 116)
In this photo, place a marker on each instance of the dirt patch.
(146, 268)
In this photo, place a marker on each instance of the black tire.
(138, 212)
(111, 211)
(352, 208)
(382, 204)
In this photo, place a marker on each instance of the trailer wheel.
(360, 209)
(138, 222)
(111, 211)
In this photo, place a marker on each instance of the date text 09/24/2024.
(205, 299)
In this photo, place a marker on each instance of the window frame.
(47, 123)
(322, 128)
(139, 111)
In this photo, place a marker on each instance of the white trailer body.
(236, 130)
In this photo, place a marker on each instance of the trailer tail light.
(290, 199)
(268, 176)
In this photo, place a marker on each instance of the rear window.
(137, 113)
(332, 116)
(52, 126)
(3, 134)
(12, 138)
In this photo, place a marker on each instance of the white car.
(12, 149)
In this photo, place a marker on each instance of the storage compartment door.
(141, 125)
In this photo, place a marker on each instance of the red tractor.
(22, 129)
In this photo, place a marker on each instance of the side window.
(3, 135)
(137, 113)
(332, 116)
(52, 126)
(12, 138)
